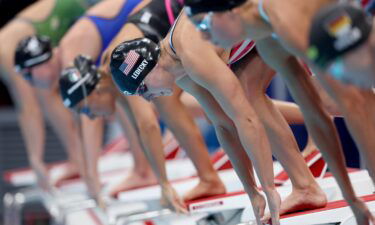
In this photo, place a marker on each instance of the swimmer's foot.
(70, 173)
(133, 181)
(309, 148)
(299, 200)
(206, 189)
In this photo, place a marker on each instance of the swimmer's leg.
(358, 108)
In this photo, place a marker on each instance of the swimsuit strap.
(171, 36)
(263, 13)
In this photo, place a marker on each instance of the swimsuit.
(108, 28)
(240, 50)
(237, 52)
(61, 18)
(171, 36)
(156, 18)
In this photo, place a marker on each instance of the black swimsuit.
(156, 18)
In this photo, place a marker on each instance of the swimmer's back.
(53, 18)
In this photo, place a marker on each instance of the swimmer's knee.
(148, 126)
(165, 103)
(222, 123)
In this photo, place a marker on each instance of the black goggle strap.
(84, 65)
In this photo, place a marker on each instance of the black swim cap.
(32, 51)
(78, 81)
(131, 62)
(205, 6)
(336, 30)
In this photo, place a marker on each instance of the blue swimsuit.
(108, 28)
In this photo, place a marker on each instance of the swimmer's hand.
(361, 212)
(171, 200)
(94, 189)
(42, 176)
(101, 203)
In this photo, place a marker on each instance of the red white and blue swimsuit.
(238, 51)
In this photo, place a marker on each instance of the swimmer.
(143, 118)
(52, 19)
(281, 36)
(160, 66)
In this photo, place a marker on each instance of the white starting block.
(73, 194)
(151, 196)
(114, 162)
(235, 208)
(239, 200)
(337, 212)
(228, 176)
(141, 206)
(114, 159)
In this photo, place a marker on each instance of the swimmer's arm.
(41, 171)
(92, 136)
(319, 123)
(148, 131)
(214, 75)
(146, 126)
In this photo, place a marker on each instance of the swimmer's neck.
(170, 62)
(255, 27)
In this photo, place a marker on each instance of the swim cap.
(131, 62)
(204, 6)
(77, 82)
(32, 51)
(336, 30)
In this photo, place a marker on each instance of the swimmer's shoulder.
(38, 11)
